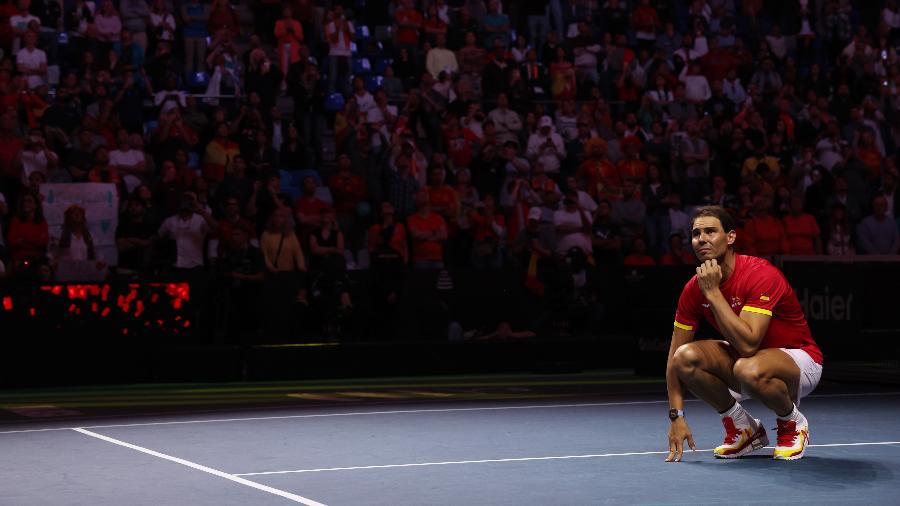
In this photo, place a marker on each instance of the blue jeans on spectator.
(339, 68)
(556, 12)
(538, 26)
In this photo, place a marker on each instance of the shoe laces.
(787, 432)
(732, 433)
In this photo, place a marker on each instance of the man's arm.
(679, 430)
(744, 332)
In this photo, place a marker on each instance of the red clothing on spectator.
(27, 239)
(598, 175)
(405, 34)
(444, 200)
(801, 233)
(293, 37)
(397, 241)
(871, 158)
(765, 236)
(426, 250)
(459, 146)
(715, 64)
(10, 149)
(635, 170)
(635, 260)
(645, 19)
(482, 225)
(96, 175)
(226, 229)
(348, 191)
(685, 258)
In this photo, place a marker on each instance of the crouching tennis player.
(768, 352)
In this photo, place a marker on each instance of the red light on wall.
(140, 308)
(7, 303)
(105, 312)
(32, 311)
(105, 294)
(94, 307)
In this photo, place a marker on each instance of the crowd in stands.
(284, 143)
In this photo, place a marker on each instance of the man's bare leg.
(771, 377)
(705, 368)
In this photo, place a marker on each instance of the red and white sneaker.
(740, 441)
(792, 440)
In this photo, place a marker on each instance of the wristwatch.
(675, 413)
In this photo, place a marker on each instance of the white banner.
(100, 202)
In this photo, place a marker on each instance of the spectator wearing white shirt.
(19, 23)
(733, 88)
(364, 100)
(696, 87)
(339, 34)
(170, 98)
(546, 146)
(37, 157)
(131, 163)
(440, 59)
(32, 62)
(507, 122)
(188, 229)
(573, 226)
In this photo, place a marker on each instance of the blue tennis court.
(579, 445)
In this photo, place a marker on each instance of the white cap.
(534, 213)
(545, 122)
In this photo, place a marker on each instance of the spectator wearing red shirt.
(11, 146)
(638, 256)
(765, 233)
(388, 234)
(600, 176)
(289, 34)
(802, 230)
(443, 198)
(308, 208)
(408, 23)
(489, 234)
(347, 190)
(428, 231)
(632, 168)
(28, 233)
(230, 222)
(677, 254)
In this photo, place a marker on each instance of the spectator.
(134, 236)
(678, 254)
(31, 61)
(222, 16)
(839, 234)
(495, 26)
(877, 233)
(339, 32)
(546, 146)
(765, 235)
(195, 16)
(107, 24)
(630, 212)
(135, 14)
(573, 226)
(21, 22)
(489, 234)
(285, 267)
(37, 156)
(408, 22)
(162, 22)
(802, 230)
(638, 256)
(440, 59)
(388, 234)
(75, 240)
(428, 231)
(189, 229)
(289, 35)
(28, 234)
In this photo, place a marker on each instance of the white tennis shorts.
(810, 374)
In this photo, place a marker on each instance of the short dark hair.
(719, 212)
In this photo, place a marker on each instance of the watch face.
(673, 414)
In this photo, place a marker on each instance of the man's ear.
(732, 237)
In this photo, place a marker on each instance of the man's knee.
(748, 372)
(687, 359)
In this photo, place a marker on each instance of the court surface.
(512, 440)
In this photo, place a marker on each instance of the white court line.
(193, 465)
(523, 459)
(404, 412)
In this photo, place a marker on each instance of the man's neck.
(727, 262)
